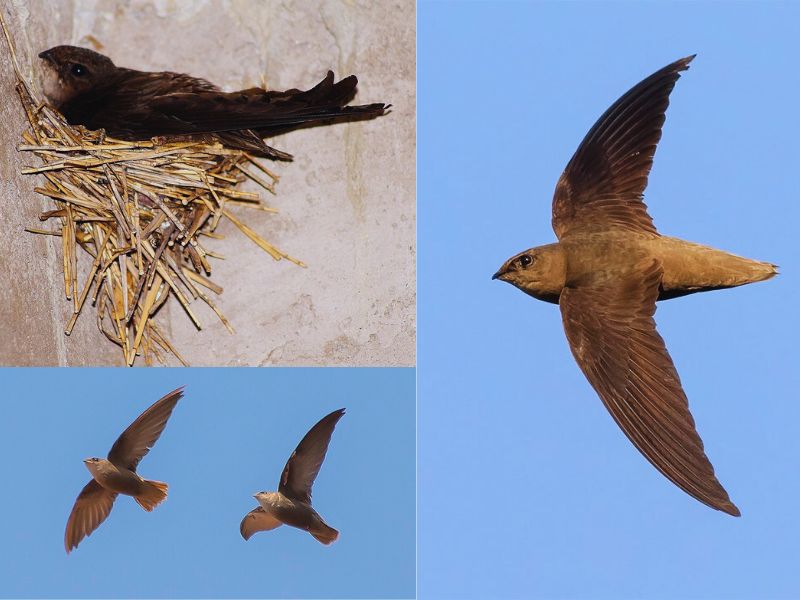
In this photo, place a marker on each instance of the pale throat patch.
(52, 86)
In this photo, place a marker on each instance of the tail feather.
(325, 534)
(154, 493)
(765, 271)
(316, 115)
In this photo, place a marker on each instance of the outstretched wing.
(303, 466)
(610, 328)
(257, 520)
(603, 184)
(91, 508)
(140, 436)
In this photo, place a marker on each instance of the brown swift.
(606, 272)
(291, 504)
(117, 474)
(90, 90)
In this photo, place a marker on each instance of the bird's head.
(266, 499)
(70, 71)
(94, 464)
(540, 272)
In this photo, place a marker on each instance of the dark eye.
(78, 70)
(525, 260)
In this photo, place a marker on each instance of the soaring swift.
(608, 269)
(291, 504)
(117, 474)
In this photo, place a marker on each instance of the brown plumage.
(609, 268)
(117, 474)
(134, 105)
(291, 504)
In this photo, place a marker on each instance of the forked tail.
(153, 494)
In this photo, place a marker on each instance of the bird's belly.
(121, 482)
(297, 515)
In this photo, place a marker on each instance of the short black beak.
(497, 275)
(45, 55)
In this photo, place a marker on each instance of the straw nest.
(140, 211)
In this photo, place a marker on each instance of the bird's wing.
(257, 520)
(603, 184)
(145, 105)
(140, 436)
(610, 328)
(91, 508)
(302, 467)
(267, 112)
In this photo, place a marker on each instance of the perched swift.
(606, 272)
(90, 90)
(117, 474)
(291, 504)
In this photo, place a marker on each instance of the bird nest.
(140, 211)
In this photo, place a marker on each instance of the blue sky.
(228, 438)
(527, 487)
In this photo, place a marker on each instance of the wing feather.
(603, 184)
(612, 334)
(91, 508)
(303, 466)
(136, 441)
(257, 520)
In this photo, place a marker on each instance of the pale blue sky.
(527, 487)
(229, 437)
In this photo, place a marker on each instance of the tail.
(741, 271)
(326, 535)
(762, 271)
(253, 114)
(324, 103)
(703, 269)
(153, 494)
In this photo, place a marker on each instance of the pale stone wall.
(347, 202)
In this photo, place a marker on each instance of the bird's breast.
(296, 514)
(118, 480)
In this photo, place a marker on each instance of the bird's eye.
(525, 260)
(78, 70)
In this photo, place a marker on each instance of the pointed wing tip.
(243, 530)
(683, 63)
(172, 397)
(175, 395)
(730, 508)
(336, 414)
(245, 535)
